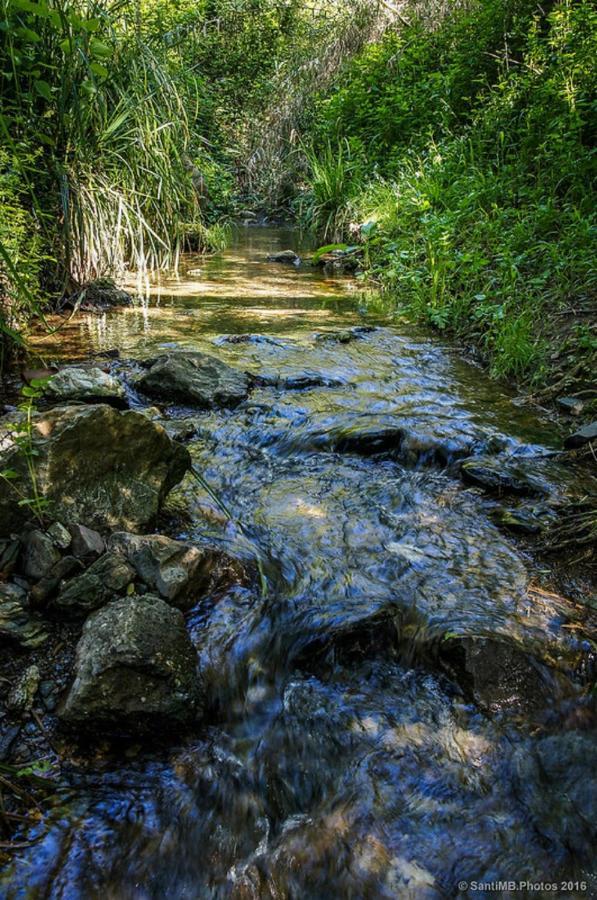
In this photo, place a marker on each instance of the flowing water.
(398, 711)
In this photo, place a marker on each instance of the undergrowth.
(471, 157)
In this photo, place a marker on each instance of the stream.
(398, 709)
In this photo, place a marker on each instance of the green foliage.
(474, 151)
(21, 434)
(119, 121)
(20, 258)
(333, 175)
(112, 181)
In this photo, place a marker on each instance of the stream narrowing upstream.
(401, 712)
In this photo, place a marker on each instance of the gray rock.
(180, 572)
(101, 294)
(89, 384)
(502, 476)
(86, 543)
(107, 577)
(572, 405)
(135, 667)
(289, 257)
(50, 583)
(60, 535)
(94, 464)
(582, 436)
(16, 623)
(194, 378)
(40, 554)
(22, 694)
(9, 554)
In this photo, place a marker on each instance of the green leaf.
(38, 9)
(91, 25)
(321, 251)
(45, 139)
(43, 89)
(369, 228)
(28, 391)
(98, 70)
(29, 35)
(96, 48)
(10, 474)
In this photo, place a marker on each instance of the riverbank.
(464, 153)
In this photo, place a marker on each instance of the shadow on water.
(400, 712)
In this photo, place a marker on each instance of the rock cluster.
(80, 561)
(134, 662)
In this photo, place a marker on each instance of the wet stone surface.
(398, 703)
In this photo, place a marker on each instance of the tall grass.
(334, 179)
(96, 173)
(115, 131)
(473, 161)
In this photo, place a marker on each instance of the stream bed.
(399, 708)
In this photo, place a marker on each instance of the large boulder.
(89, 384)
(94, 464)
(135, 667)
(179, 572)
(194, 378)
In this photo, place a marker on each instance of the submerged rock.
(107, 577)
(499, 675)
(194, 378)
(557, 784)
(357, 333)
(180, 572)
(502, 476)
(522, 519)
(135, 667)
(94, 464)
(300, 381)
(86, 384)
(264, 339)
(285, 256)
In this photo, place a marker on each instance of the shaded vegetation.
(469, 150)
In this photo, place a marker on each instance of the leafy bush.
(20, 257)
(474, 147)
